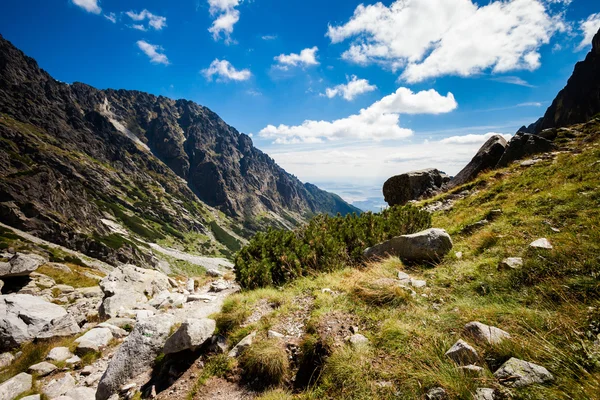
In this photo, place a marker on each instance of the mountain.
(106, 171)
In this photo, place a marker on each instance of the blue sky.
(432, 77)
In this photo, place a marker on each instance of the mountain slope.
(103, 171)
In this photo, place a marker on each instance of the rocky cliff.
(103, 171)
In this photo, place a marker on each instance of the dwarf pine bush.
(325, 244)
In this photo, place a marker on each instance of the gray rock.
(122, 322)
(403, 277)
(42, 369)
(218, 345)
(59, 387)
(200, 297)
(518, 373)
(486, 158)
(462, 353)
(471, 370)
(6, 359)
(72, 361)
(16, 386)
(94, 340)
(24, 317)
(242, 345)
(65, 288)
(484, 394)
(192, 334)
(21, 265)
(167, 299)
(215, 273)
(274, 335)
(542, 243)
(82, 393)
(90, 292)
(485, 333)
(417, 283)
(115, 330)
(400, 189)
(59, 354)
(511, 263)
(475, 226)
(32, 397)
(219, 286)
(522, 145)
(136, 354)
(436, 393)
(429, 245)
(191, 285)
(358, 340)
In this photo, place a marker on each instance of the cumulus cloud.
(306, 58)
(589, 27)
(153, 52)
(226, 17)
(380, 121)
(154, 21)
(431, 38)
(472, 139)
(88, 5)
(225, 72)
(111, 17)
(349, 91)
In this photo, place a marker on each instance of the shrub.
(325, 244)
(265, 363)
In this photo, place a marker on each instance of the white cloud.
(353, 88)
(139, 27)
(227, 16)
(431, 38)
(589, 27)
(153, 52)
(88, 5)
(472, 139)
(513, 80)
(111, 17)
(225, 71)
(154, 21)
(530, 104)
(377, 122)
(269, 37)
(307, 57)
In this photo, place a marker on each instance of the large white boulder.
(429, 245)
(15, 386)
(94, 340)
(190, 335)
(21, 265)
(58, 387)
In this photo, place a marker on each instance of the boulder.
(136, 354)
(523, 145)
(32, 397)
(6, 359)
(486, 158)
(58, 387)
(94, 340)
(358, 340)
(518, 373)
(42, 369)
(511, 263)
(219, 286)
(436, 393)
(21, 265)
(215, 273)
(242, 345)
(429, 245)
(15, 386)
(115, 330)
(471, 370)
(24, 317)
(59, 354)
(542, 243)
(82, 393)
(484, 394)
(192, 334)
(462, 353)
(400, 189)
(167, 299)
(485, 333)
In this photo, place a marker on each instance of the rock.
(459, 254)
(32, 397)
(15, 386)
(474, 226)
(24, 317)
(429, 245)
(200, 297)
(191, 285)
(471, 370)
(59, 387)
(136, 354)
(168, 299)
(542, 243)
(72, 361)
(218, 345)
(115, 330)
(215, 273)
(94, 340)
(523, 145)
(124, 323)
(416, 283)
(1, 285)
(59, 354)
(529, 163)
(436, 393)
(401, 189)
(484, 394)
(511, 263)
(462, 353)
(192, 334)
(242, 345)
(6, 359)
(403, 277)
(87, 370)
(485, 333)
(486, 158)
(518, 373)
(358, 340)
(274, 335)
(21, 265)
(219, 286)
(65, 288)
(90, 292)
(82, 393)
(42, 369)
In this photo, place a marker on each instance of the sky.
(341, 93)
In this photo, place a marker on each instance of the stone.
(32, 397)
(459, 254)
(15, 386)
(436, 393)
(358, 340)
(58, 387)
(523, 145)
(115, 330)
(191, 285)
(518, 373)
(21, 265)
(486, 158)
(484, 394)
(90, 292)
(274, 335)
(136, 354)
(475, 226)
(87, 370)
(215, 273)
(400, 189)
(167, 299)
(429, 245)
(219, 286)
(72, 361)
(416, 283)
(65, 288)
(82, 393)
(124, 323)
(192, 334)
(94, 340)
(511, 263)
(462, 353)
(59, 354)
(242, 345)
(403, 276)
(471, 370)
(24, 317)
(200, 297)
(485, 333)
(218, 345)
(542, 243)
(42, 369)
(6, 359)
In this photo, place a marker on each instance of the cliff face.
(74, 158)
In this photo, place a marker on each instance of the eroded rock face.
(429, 245)
(24, 317)
(400, 189)
(486, 158)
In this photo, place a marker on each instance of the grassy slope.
(550, 306)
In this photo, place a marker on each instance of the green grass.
(265, 363)
(76, 278)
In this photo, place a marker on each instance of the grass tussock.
(265, 363)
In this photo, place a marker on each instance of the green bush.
(325, 244)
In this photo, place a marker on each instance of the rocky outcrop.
(429, 245)
(21, 265)
(400, 189)
(523, 145)
(24, 317)
(486, 158)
